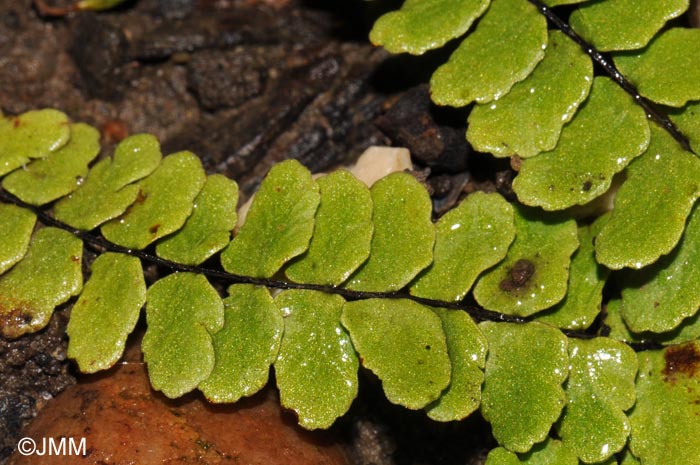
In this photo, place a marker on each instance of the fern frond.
(426, 357)
(569, 132)
(369, 278)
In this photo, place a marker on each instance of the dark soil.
(32, 371)
(244, 84)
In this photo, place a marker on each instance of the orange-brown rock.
(125, 422)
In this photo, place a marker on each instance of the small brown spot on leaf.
(141, 198)
(683, 359)
(587, 186)
(518, 276)
(14, 318)
(154, 229)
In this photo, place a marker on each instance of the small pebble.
(377, 162)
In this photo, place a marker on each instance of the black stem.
(607, 64)
(101, 244)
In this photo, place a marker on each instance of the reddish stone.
(124, 422)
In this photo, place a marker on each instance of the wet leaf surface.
(584, 295)
(279, 224)
(106, 192)
(16, 226)
(529, 119)
(534, 274)
(688, 330)
(650, 209)
(166, 199)
(506, 46)
(563, 2)
(674, 49)
(160, 98)
(469, 239)
(467, 349)
(580, 169)
(183, 311)
(659, 297)
(549, 452)
(48, 275)
(522, 395)
(208, 229)
(666, 418)
(60, 173)
(624, 24)
(246, 346)
(422, 25)
(599, 390)
(317, 366)
(342, 232)
(106, 312)
(402, 244)
(403, 343)
(33, 134)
